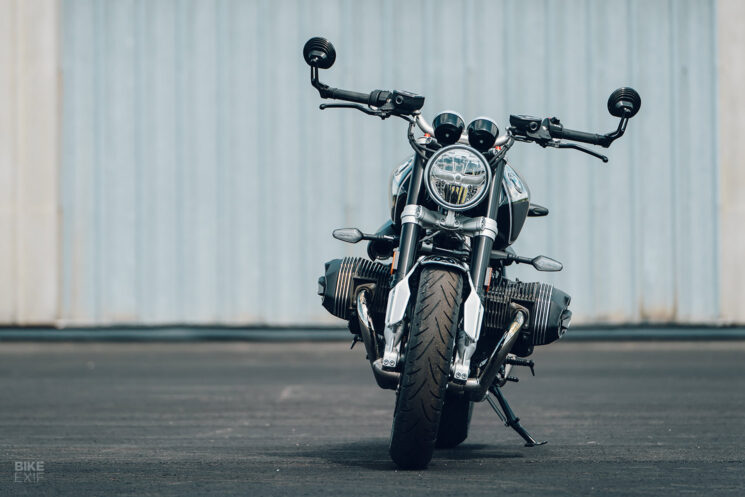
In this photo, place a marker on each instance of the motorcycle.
(441, 323)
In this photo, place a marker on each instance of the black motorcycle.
(456, 207)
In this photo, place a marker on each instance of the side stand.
(509, 417)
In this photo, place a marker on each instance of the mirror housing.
(319, 53)
(349, 235)
(543, 263)
(624, 103)
(535, 210)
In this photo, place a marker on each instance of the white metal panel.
(28, 161)
(200, 182)
(731, 146)
(8, 161)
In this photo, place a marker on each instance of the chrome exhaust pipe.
(385, 379)
(475, 389)
(498, 356)
(367, 330)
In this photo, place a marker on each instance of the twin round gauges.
(449, 126)
(457, 177)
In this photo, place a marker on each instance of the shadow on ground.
(373, 454)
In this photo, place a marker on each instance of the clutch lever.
(359, 107)
(582, 149)
(383, 112)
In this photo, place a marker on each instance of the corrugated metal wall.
(200, 182)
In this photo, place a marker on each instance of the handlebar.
(384, 103)
(319, 53)
(396, 102)
(547, 131)
(424, 125)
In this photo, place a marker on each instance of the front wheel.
(426, 367)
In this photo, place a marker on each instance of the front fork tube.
(410, 230)
(394, 325)
(473, 308)
(482, 245)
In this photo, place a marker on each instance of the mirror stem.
(618, 133)
(322, 88)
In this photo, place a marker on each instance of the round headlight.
(457, 177)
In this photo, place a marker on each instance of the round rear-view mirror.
(319, 52)
(624, 102)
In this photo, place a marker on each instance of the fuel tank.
(513, 205)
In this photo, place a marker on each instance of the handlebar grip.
(558, 131)
(350, 96)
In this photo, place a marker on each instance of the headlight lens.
(457, 177)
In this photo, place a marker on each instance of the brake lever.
(543, 138)
(582, 149)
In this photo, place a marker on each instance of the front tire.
(429, 351)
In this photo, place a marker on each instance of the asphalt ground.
(302, 418)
